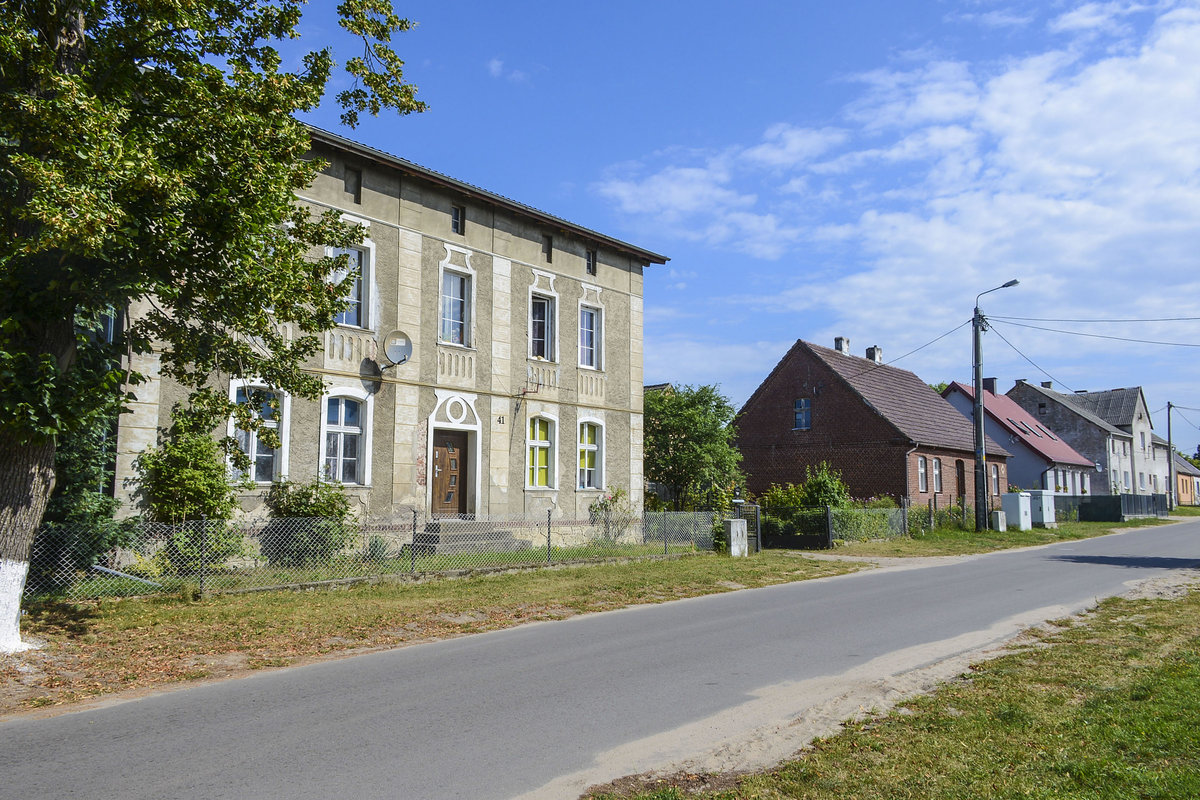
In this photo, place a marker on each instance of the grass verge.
(100, 647)
(1099, 707)
(951, 542)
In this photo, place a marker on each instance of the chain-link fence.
(222, 556)
(817, 528)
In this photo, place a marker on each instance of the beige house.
(520, 337)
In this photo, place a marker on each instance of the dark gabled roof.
(1114, 406)
(904, 400)
(1185, 466)
(1020, 424)
(1066, 401)
(469, 190)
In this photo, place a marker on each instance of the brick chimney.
(1047, 384)
(842, 344)
(989, 385)
(875, 353)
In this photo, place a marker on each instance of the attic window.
(1014, 423)
(802, 414)
(1048, 433)
(1031, 430)
(1042, 410)
(352, 184)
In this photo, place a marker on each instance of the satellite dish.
(397, 347)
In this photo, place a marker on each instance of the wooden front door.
(449, 473)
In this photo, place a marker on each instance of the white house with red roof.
(1040, 458)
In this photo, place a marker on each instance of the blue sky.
(858, 169)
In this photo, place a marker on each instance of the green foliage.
(309, 522)
(689, 441)
(613, 512)
(822, 486)
(185, 481)
(150, 153)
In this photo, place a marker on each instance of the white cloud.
(496, 69)
(789, 146)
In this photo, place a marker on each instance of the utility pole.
(1171, 481)
(978, 325)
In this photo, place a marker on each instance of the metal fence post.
(412, 548)
(203, 551)
(548, 512)
(828, 527)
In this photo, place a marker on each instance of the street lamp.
(978, 325)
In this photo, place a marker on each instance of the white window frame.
(366, 279)
(548, 445)
(367, 412)
(597, 448)
(996, 480)
(937, 476)
(549, 336)
(922, 475)
(467, 301)
(283, 425)
(597, 350)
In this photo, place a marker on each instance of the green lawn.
(952, 542)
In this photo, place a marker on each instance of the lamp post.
(977, 326)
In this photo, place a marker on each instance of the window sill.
(541, 488)
(455, 345)
(356, 328)
(598, 370)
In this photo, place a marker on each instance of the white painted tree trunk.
(12, 584)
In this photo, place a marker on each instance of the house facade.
(1040, 458)
(490, 361)
(1111, 428)
(883, 428)
(1187, 482)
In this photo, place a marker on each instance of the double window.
(541, 327)
(802, 415)
(541, 453)
(455, 326)
(354, 277)
(345, 439)
(590, 456)
(267, 462)
(589, 337)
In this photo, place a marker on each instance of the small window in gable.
(352, 184)
(802, 414)
(589, 258)
(548, 247)
(458, 219)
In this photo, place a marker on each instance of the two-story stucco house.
(520, 336)
(1111, 428)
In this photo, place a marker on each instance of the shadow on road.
(1144, 562)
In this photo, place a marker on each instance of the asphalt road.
(545, 709)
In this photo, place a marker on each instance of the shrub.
(309, 522)
(185, 481)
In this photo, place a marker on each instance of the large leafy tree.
(149, 153)
(689, 441)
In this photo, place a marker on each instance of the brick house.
(887, 431)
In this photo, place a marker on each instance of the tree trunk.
(26, 480)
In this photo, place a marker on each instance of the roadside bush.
(309, 522)
(184, 481)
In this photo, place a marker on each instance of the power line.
(1046, 319)
(1100, 335)
(1030, 360)
(910, 352)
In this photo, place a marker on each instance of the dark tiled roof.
(1115, 406)
(1018, 422)
(1066, 400)
(404, 165)
(906, 401)
(1185, 466)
